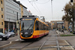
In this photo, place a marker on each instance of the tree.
(69, 14)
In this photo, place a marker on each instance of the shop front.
(10, 26)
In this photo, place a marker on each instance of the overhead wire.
(33, 6)
(38, 8)
(51, 6)
(43, 3)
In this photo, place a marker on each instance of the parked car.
(3, 36)
(11, 34)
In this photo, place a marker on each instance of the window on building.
(1, 9)
(2, 16)
(1, 2)
(2, 23)
(1, 30)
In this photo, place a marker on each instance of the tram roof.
(42, 21)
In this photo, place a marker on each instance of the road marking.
(72, 47)
(66, 42)
(6, 44)
(9, 43)
(17, 39)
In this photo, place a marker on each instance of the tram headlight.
(21, 33)
(32, 33)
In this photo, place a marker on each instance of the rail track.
(58, 46)
(57, 43)
(17, 43)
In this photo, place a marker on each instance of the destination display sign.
(26, 19)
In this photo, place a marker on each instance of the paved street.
(8, 41)
(51, 42)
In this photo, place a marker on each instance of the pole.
(52, 8)
(9, 25)
(17, 15)
(18, 27)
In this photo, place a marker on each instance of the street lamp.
(52, 8)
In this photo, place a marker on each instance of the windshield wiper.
(30, 26)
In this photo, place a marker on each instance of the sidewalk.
(65, 32)
(8, 41)
(70, 39)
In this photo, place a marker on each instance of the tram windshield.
(27, 24)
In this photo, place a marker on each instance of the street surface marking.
(67, 42)
(6, 45)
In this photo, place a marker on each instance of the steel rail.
(58, 47)
(16, 44)
(27, 45)
(43, 44)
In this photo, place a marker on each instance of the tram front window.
(27, 24)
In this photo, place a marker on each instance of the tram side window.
(47, 28)
(44, 27)
(23, 26)
(37, 25)
(40, 26)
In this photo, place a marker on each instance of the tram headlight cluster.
(21, 33)
(32, 33)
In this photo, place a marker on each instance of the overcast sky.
(44, 8)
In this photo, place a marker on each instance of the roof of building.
(18, 2)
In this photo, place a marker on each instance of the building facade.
(11, 11)
(24, 11)
(2, 16)
(66, 24)
(56, 24)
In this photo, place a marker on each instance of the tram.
(31, 27)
